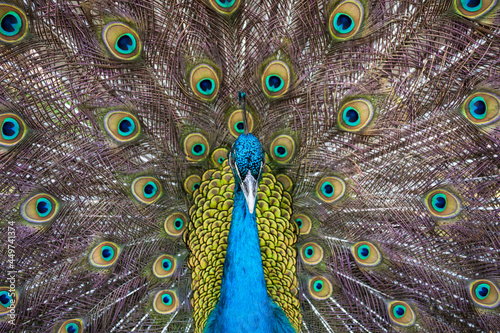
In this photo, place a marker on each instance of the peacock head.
(247, 159)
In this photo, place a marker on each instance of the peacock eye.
(218, 156)
(175, 224)
(196, 147)
(482, 108)
(355, 115)
(282, 148)
(71, 326)
(443, 204)
(122, 126)
(165, 302)
(192, 183)
(225, 6)
(474, 8)
(146, 189)
(320, 288)
(346, 19)
(204, 82)
(282, 179)
(164, 266)
(401, 313)
(236, 125)
(7, 298)
(39, 208)
(303, 222)
(276, 79)
(122, 41)
(13, 24)
(104, 255)
(485, 293)
(330, 189)
(311, 253)
(366, 254)
(13, 129)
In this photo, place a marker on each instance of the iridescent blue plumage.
(244, 304)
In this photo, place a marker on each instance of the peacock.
(250, 166)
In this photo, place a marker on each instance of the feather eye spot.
(175, 224)
(104, 255)
(346, 19)
(40, 208)
(355, 115)
(485, 293)
(192, 183)
(225, 6)
(401, 313)
(236, 125)
(71, 326)
(122, 126)
(482, 108)
(13, 24)
(320, 288)
(327, 189)
(276, 79)
(121, 41)
(13, 129)
(282, 148)
(343, 23)
(165, 302)
(219, 156)
(204, 82)
(7, 298)
(164, 266)
(311, 253)
(146, 189)
(196, 147)
(366, 254)
(303, 222)
(474, 8)
(443, 204)
(285, 181)
(280, 151)
(330, 189)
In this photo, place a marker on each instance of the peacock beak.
(249, 186)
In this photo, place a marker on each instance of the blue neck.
(244, 305)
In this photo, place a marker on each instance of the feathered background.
(416, 62)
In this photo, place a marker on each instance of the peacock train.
(232, 166)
